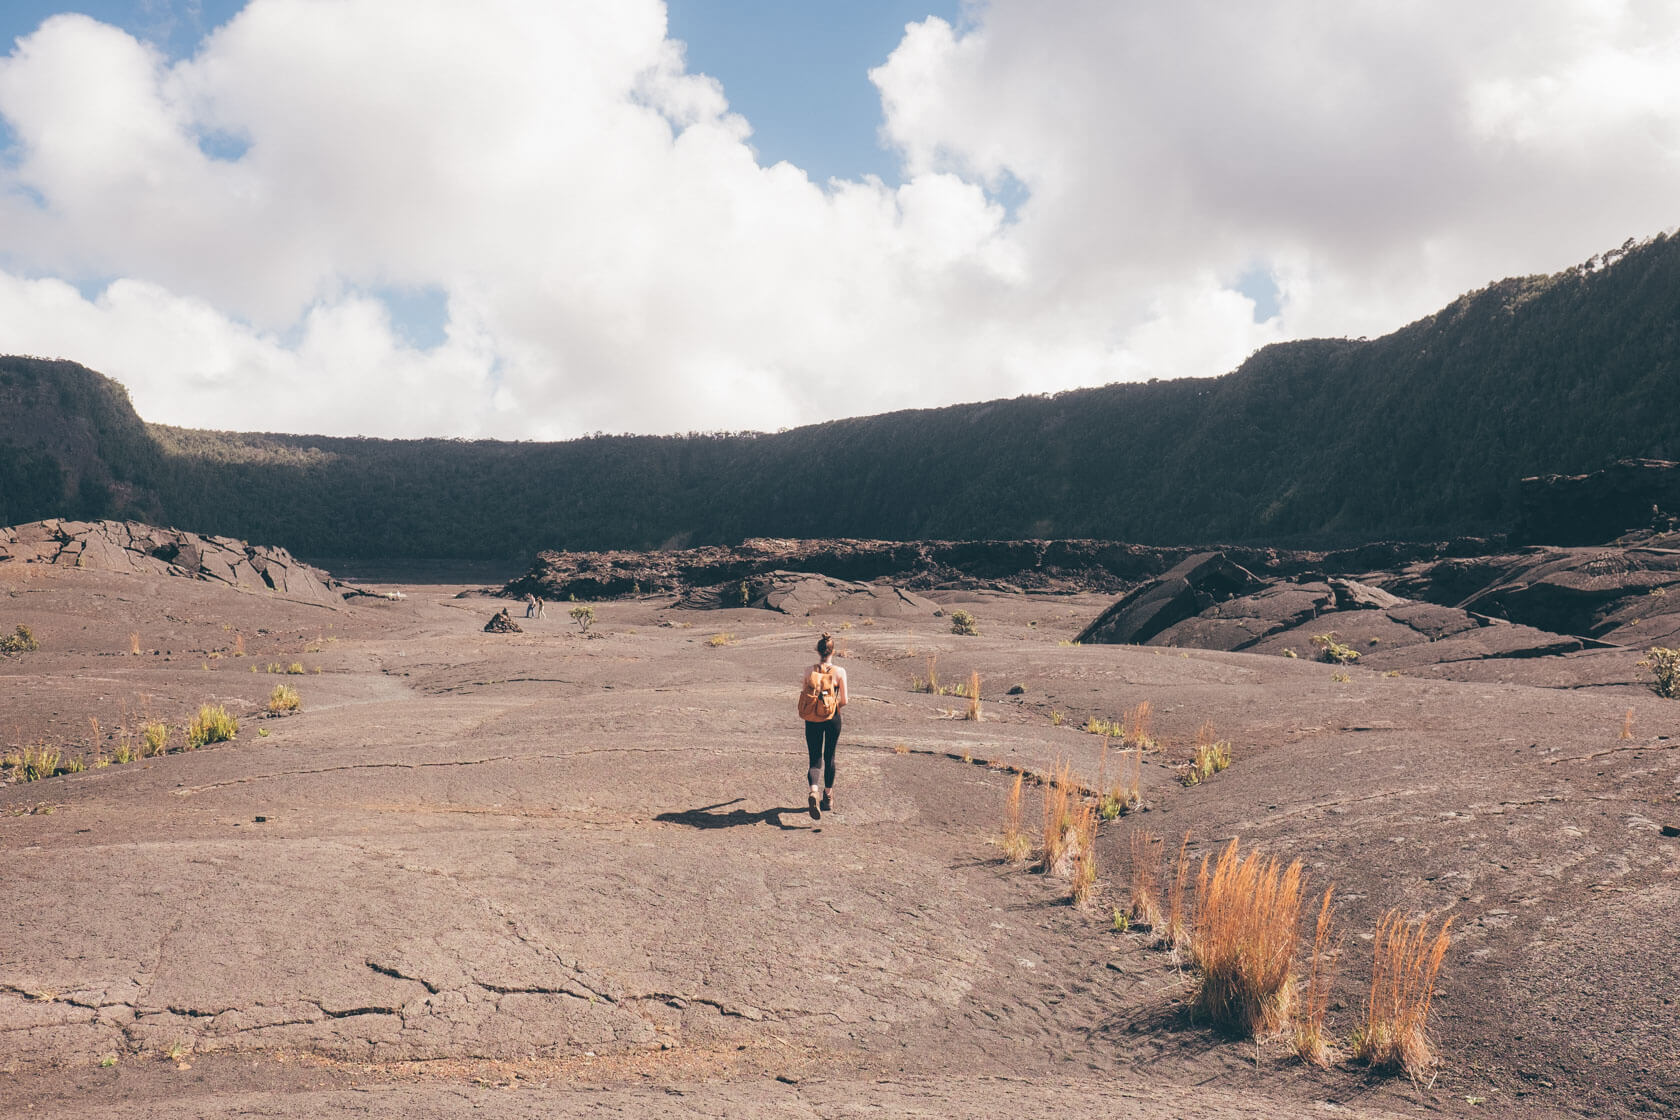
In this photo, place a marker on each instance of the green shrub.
(963, 623)
(1333, 651)
(1665, 671)
(20, 640)
(212, 724)
(584, 615)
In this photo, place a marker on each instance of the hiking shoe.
(811, 803)
(827, 803)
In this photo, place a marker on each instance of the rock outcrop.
(1530, 604)
(806, 593)
(130, 546)
(1030, 565)
(1629, 496)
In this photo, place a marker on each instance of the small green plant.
(154, 738)
(283, 699)
(1341, 678)
(31, 764)
(1107, 728)
(584, 615)
(1067, 642)
(263, 732)
(716, 641)
(20, 640)
(295, 669)
(212, 724)
(72, 765)
(107, 1061)
(1122, 920)
(1664, 665)
(1331, 650)
(1055, 719)
(1290, 653)
(962, 622)
(1210, 757)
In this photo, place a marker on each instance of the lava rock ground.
(565, 874)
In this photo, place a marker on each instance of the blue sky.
(537, 218)
(797, 69)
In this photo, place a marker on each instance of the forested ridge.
(1421, 433)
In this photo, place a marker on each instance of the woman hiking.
(822, 694)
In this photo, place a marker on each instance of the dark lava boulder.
(1197, 583)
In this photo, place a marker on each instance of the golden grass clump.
(284, 699)
(212, 724)
(1311, 1045)
(973, 712)
(1175, 931)
(1211, 755)
(154, 738)
(1083, 872)
(134, 644)
(1016, 845)
(1406, 959)
(1145, 885)
(1243, 940)
(1058, 839)
(1134, 724)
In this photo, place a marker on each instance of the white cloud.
(614, 258)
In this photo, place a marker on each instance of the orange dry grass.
(1084, 871)
(1134, 726)
(1310, 1043)
(1406, 960)
(1627, 725)
(1058, 819)
(1016, 846)
(974, 697)
(134, 644)
(1247, 924)
(1146, 889)
(1175, 935)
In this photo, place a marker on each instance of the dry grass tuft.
(717, 641)
(1211, 755)
(1406, 958)
(1311, 1045)
(1057, 835)
(1017, 847)
(1247, 924)
(1084, 858)
(154, 738)
(1145, 885)
(134, 644)
(973, 697)
(1627, 725)
(283, 699)
(1175, 932)
(239, 645)
(1134, 726)
(212, 724)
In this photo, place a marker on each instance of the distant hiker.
(530, 604)
(542, 607)
(822, 694)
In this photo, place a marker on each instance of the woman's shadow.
(708, 817)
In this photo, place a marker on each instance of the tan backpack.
(819, 699)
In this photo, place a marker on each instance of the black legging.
(820, 741)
